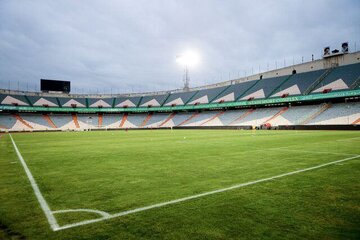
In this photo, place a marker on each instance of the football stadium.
(271, 155)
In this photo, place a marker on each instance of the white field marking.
(312, 152)
(45, 207)
(102, 213)
(158, 205)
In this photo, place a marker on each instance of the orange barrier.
(277, 114)
(356, 121)
(187, 120)
(75, 119)
(148, 117)
(23, 121)
(123, 120)
(171, 116)
(100, 120)
(242, 116)
(48, 119)
(213, 117)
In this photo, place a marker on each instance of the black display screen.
(47, 85)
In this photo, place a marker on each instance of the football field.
(180, 184)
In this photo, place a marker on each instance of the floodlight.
(188, 59)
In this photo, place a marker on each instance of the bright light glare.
(189, 59)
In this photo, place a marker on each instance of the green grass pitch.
(116, 171)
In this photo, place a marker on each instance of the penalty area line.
(158, 205)
(43, 204)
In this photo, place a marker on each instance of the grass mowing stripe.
(202, 194)
(44, 206)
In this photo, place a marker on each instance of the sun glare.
(188, 58)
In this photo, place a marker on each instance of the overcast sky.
(131, 46)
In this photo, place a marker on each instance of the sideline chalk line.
(105, 216)
(43, 204)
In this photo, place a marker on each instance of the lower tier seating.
(319, 114)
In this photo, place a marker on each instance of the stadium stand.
(339, 78)
(111, 120)
(206, 95)
(153, 101)
(100, 102)
(72, 102)
(200, 118)
(294, 115)
(7, 121)
(338, 114)
(156, 120)
(36, 121)
(122, 102)
(13, 100)
(134, 120)
(257, 117)
(63, 121)
(263, 88)
(234, 92)
(231, 116)
(322, 92)
(298, 83)
(87, 120)
(178, 99)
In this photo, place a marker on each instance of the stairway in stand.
(75, 119)
(187, 120)
(100, 120)
(242, 116)
(148, 117)
(357, 121)
(171, 116)
(322, 109)
(123, 120)
(17, 116)
(48, 119)
(212, 118)
(277, 114)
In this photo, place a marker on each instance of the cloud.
(125, 46)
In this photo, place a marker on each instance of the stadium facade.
(321, 94)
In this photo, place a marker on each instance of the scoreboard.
(47, 85)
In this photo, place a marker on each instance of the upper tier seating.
(234, 92)
(264, 88)
(153, 101)
(43, 101)
(206, 95)
(339, 78)
(13, 100)
(100, 102)
(178, 99)
(72, 102)
(127, 101)
(298, 83)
